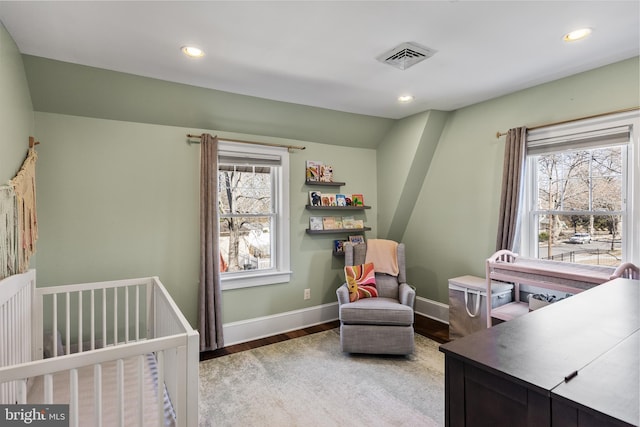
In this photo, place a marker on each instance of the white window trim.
(281, 273)
(631, 249)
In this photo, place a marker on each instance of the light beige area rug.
(308, 381)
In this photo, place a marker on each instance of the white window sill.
(248, 280)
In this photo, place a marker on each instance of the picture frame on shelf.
(357, 200)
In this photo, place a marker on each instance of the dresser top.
(538, 350)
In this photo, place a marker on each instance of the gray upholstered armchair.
(382, 325)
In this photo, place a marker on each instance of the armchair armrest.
(406, 295)
(343, 294)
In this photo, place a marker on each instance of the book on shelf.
(328, 199)
(350, 222)
(356, 240)
(315, 198)
(341, 200)
(332, 222)
(312, 172)
(357, 200)
(315, 223)
(338, 245)
(326, 173)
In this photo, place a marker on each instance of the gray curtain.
(210, 293)
(512, 183)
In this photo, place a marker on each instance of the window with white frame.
(253, 195)
(579, 199)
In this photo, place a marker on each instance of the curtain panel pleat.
(210, 292)
(511, 194)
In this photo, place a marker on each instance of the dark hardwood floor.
(429, 328)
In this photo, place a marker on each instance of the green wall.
(65, 88)
(452, 228)
(16, 112)
(120, 199)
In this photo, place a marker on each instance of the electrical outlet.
(307, 293)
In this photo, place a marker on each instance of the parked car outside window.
(580, 238)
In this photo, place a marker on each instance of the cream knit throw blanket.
(384, 256)
(8, 232)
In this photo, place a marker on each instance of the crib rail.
(181, 383)
(96, 323)
(15, 327)
(93, 315)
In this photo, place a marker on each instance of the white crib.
(121, 352)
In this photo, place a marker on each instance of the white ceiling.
(323, 53)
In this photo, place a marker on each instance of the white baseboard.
(261, 327)
(267, 326)
(432, 309)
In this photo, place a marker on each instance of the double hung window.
(579, 192)
(253, 208)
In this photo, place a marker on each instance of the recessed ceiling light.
(192, 51)
(405, 98)
(577, 35)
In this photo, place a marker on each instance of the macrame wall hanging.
(18, 220)
(8, 232)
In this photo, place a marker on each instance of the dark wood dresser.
(572, 363)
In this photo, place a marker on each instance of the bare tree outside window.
(580, 201)
(246, 217)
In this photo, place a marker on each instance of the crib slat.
(22, 391)
(67, 328)
(104, 317)
(126, 314)
(93, 320)
(141, 363)
(17, 349)
(115, 316)
(48, 389)
(160, 390)
(12, 337)
(137, 312)
(54, 327)
(97, 395)
(3, 334)
(80, 338)
(4, 387)
(120, 391)
(73, 398)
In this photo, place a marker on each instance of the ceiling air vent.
(406, 55)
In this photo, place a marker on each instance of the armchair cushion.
(387, 285)
(361, 281)
(376, 311)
